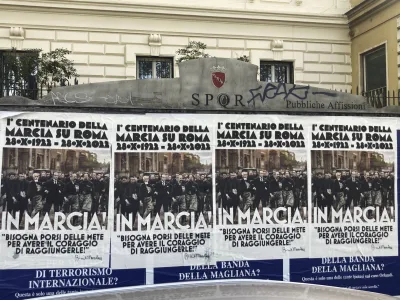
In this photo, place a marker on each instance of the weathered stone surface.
(17, 101)
(208, 84)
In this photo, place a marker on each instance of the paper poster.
(353, 165)
(93, 201)
(164, 170)
(54, 191)
(261, 188)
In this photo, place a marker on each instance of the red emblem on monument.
(218, 76)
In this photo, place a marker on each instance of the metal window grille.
(18, 74)
(276, 72)
(154, 67)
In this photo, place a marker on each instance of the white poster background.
(97, 256)
(299, 248)
(219, 249)
(121, 256)
(387, 246)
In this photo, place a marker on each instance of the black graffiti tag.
(271, 91)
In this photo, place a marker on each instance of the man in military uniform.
(221, 190)
(191, 190)
(121, 192)
(13, 189)
(3, 195)
(208, 199)
(298, 187)
(275, 190)
(97, 192)
(338, 192)
(353, 191)
(35, 193)
(203, 186)
(23, 195)
(328, 193)
(245, 190)
(29, 177)
(145, 195)
(319, 190)
(162, 194)
(239, 174)
(385, 188)
(43, 177)
(140, 178)
(71, 201)
(53, 189)
(61, 177)
(153, 179)
(366, 191)
(391, 190)
(86, 194)
(261, 185)
(117, 183)
(288, 190)
(178, 197)
(376, 192)
(105, 192)
(131, 198)
(232, 193)
(304, 193)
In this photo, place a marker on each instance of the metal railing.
(35, 93)
(376, 98)
(379, 97)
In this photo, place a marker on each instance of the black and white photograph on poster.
(151, 186)
(38, 183)
(55, 190)
(162, 197)
(261, 188)
(353, 186)
(261, 181)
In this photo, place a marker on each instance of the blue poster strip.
(25, 284)
(252, 269)
(374, 274)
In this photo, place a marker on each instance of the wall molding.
(155, 42)
(277, 49)
(17, 36)
(175, 11)
(181, 34)
(398, 51)
(367, 9)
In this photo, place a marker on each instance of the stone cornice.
(367, 9)
(124, 8)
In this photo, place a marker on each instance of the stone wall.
(105, 44)
(398, 50)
